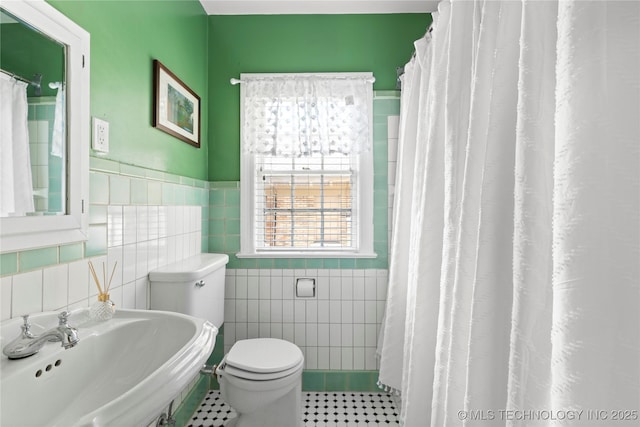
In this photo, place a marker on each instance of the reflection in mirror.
(33, 135)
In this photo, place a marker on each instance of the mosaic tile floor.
(344, 409)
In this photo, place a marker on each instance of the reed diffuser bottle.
(104, 308)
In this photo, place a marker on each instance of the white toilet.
(260, 378)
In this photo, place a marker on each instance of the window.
(306, 165)
(305, 203)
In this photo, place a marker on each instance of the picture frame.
(176, 108)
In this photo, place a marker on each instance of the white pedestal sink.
(123, 372)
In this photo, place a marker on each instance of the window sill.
(297, 254)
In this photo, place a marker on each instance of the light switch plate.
(100, 141)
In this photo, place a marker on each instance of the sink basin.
(123, 372)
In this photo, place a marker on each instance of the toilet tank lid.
(192, 268)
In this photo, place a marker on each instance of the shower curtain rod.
(368, 79)
(36, 82)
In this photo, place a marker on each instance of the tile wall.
(336, 330)
(139, 219)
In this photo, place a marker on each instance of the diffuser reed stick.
(111, 278)
(95, 277)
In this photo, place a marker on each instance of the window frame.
(363, 209)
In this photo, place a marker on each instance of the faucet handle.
(26, 327)
(63, 317)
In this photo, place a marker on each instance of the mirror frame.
(29, 232)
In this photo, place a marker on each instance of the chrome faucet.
(28, 344)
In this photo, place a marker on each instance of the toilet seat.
(254, 376)
(262, 359)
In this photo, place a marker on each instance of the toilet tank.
(193, 286)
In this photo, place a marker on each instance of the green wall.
(205, 52)
(125, 38)
(26, 52)
(296, 43)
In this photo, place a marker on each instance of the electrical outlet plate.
(100, 141)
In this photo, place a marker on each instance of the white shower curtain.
(514, 285)
(16, 188)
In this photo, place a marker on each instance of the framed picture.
(176, 108)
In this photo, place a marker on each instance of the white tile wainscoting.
(140, 239)
(337, 330)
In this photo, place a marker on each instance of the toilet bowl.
(261, 379)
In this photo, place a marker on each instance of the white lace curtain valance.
(299, 115)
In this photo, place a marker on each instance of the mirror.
(33, 79)
(44, 177)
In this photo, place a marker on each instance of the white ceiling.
(285, 7)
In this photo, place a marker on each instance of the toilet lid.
(264, 355)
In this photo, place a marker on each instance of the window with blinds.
(306, 168)
(306, 203)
